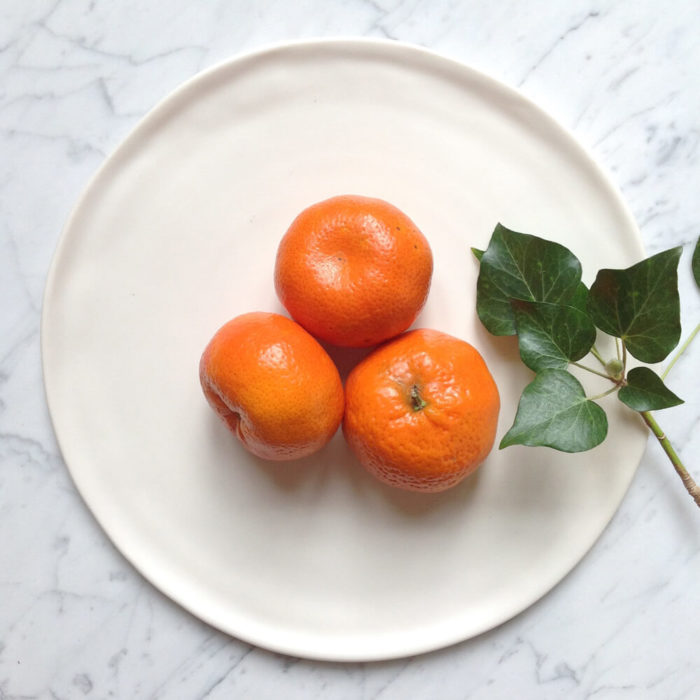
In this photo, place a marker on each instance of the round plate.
(177, 233)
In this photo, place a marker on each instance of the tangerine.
(273, 385)
(354, 271)
(421, 411)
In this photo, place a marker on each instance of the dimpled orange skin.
(354, 271)
(273, 385)
(421, 411)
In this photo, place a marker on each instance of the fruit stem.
(417, 402)
(688, 481)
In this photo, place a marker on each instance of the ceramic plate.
(177, 233)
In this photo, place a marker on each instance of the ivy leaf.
(551, 335)
(579, 299)
(696, 262)
(645, 391)
(554, 412)
(521, 266)
(478, 254)
(640, 305)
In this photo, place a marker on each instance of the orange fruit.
(273, 385)
(421, 411)
(354, 271)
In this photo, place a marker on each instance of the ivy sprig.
(531, 288)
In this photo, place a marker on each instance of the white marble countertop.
(75, 619)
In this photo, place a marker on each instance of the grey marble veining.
(75, 619)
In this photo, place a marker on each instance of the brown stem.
(686, 478)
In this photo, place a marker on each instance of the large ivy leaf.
(640, 305)
(696, 262)
(551, 335)
(521, 266)
(645, 391)
(554, 412)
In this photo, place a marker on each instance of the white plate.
(177, 233)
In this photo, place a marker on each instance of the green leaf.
(554, 412)
(551, 335)
(579, 299)
(640, 305)
(696, 262)
(478, 254)
(521, 266)
(645, 391)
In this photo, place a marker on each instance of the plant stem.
(686, 478)
(595, 352)
(617, 348)
(594, 371)
(605, 393)
(681, 350)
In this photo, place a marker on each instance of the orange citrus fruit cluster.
(420, 411)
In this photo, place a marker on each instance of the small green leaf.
(554, 412)
(640, 305)
(478, 254)
(551, 335)
(645, 391)
(521, 266)
(696, 262)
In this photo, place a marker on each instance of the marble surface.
(75, 619)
